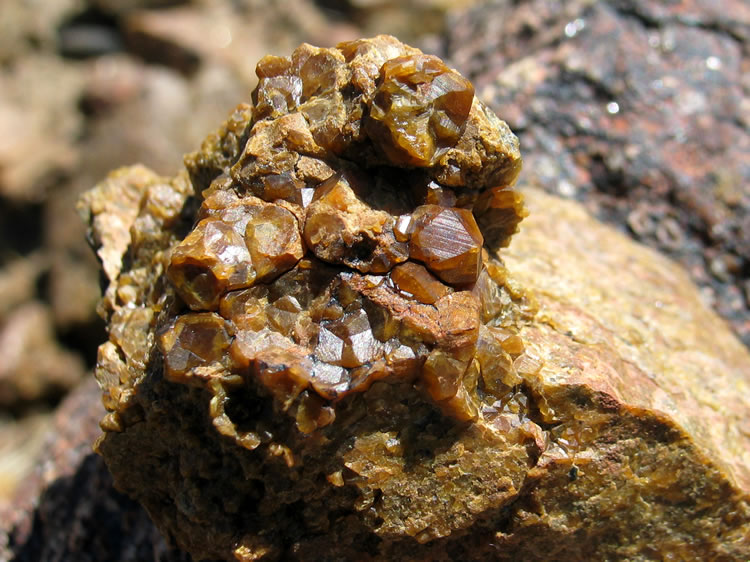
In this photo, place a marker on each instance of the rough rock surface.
(314, 350)
(67, 509)
(655, 394)
(639, 109)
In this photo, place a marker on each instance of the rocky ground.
(638, 109)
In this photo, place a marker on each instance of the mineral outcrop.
(316, 351)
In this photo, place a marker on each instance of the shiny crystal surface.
(449, 243)
(413, 279)
(212, 259)
(340, 247)
(419, 110)
(195, 340)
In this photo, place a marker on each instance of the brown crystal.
(419, 109)
(413, 279)
(449, 243)
(275, 244)
(496, 363)
(279, 90)
(194, 340)
(245, 309)
(442, 374)
(348, 342)
(341, 228)
(498, 213)
(211, 260)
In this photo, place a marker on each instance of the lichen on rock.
(315, 346)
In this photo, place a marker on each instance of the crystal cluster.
(342, 247)
(329, 255)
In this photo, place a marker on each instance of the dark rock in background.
(68, 510)
(639, 109)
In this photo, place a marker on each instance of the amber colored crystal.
(283, 313)
(212, 259)
(313, 413)
(403, 228)
(330, 381)
(283, 372)
(442, 374)
(464, 404)
(413, 279)
(194, 340)
(278, 91)
(348, 342)
(403, 362)
(513, 344)
(498, 213)
(281, 186)
(275, 244)
(245, 310)
(341, 228)
(247, 345)
(433, 193)
(449, 243)
(496, 364)
(419, 109)
(319, 73)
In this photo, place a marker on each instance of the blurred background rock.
(639, 109)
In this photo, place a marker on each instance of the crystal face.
(195, 340)
(212, 259)
(449, 243)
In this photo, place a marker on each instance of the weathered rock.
(625, 336)
(67, 509)
(330, 409)
(640, 110)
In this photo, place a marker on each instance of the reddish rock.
(639, 109)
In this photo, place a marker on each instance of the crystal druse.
(316, 352)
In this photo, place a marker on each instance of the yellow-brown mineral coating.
(659, 390)
(315, 351)
(676, 360)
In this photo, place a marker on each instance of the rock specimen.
(316, 352)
